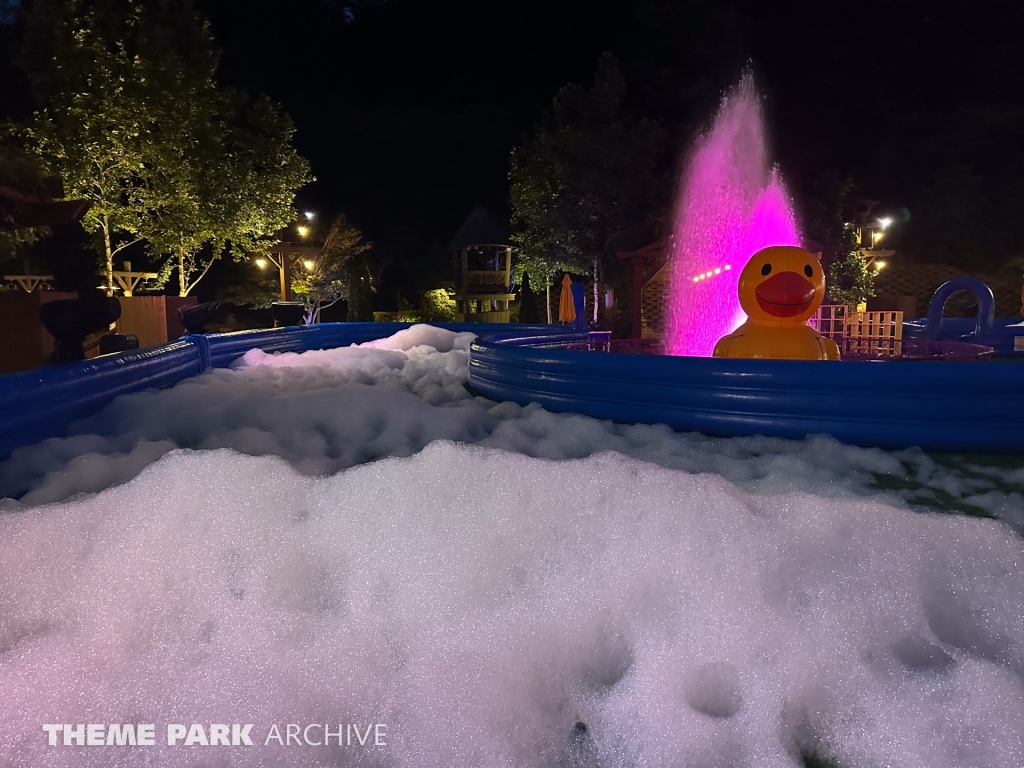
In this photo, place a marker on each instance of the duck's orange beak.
(785, 294)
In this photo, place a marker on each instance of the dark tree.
(528, 310)
(588, 176)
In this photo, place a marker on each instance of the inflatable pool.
(937, 406)
(1004, 335)
(38, 404)
(921, 401)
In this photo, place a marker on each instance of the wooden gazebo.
(480, 248)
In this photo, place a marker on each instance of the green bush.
(437, 307)
(401, 316)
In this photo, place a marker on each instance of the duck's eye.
(766, 269)
(808, 271)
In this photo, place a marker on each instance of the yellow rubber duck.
(780, 287)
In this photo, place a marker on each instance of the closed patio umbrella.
(566, 309)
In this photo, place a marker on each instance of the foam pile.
(327, 410)
(480, 603)
(349, 536)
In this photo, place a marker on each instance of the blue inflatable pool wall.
(38, 404)
(961, 406)
(974, 407)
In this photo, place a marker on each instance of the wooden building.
(483, 259)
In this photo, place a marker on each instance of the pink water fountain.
(731, 203)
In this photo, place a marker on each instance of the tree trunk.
(110, 256)
(547, 300)
(182, 287)
(595, 291)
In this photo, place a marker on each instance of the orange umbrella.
(566, 307)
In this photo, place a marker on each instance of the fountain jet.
(731, 204)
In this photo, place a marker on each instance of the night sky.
(408, 109)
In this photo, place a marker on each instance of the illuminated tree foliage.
(232, 189)
(850, 281)
(326, 279)
(131, 118)
(826, 210)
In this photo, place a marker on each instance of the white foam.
(694, 601)
(327, 410)
(480, 603)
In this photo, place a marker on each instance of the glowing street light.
(303, 231)
(885, 222)
(310, 215)
(261, 263)
(308, 265)
(879, 265)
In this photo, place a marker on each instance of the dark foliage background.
(408, 109)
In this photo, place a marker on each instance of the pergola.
(127, 279)
(29, 283)
(283, 255)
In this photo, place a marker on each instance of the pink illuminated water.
(731, 204)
